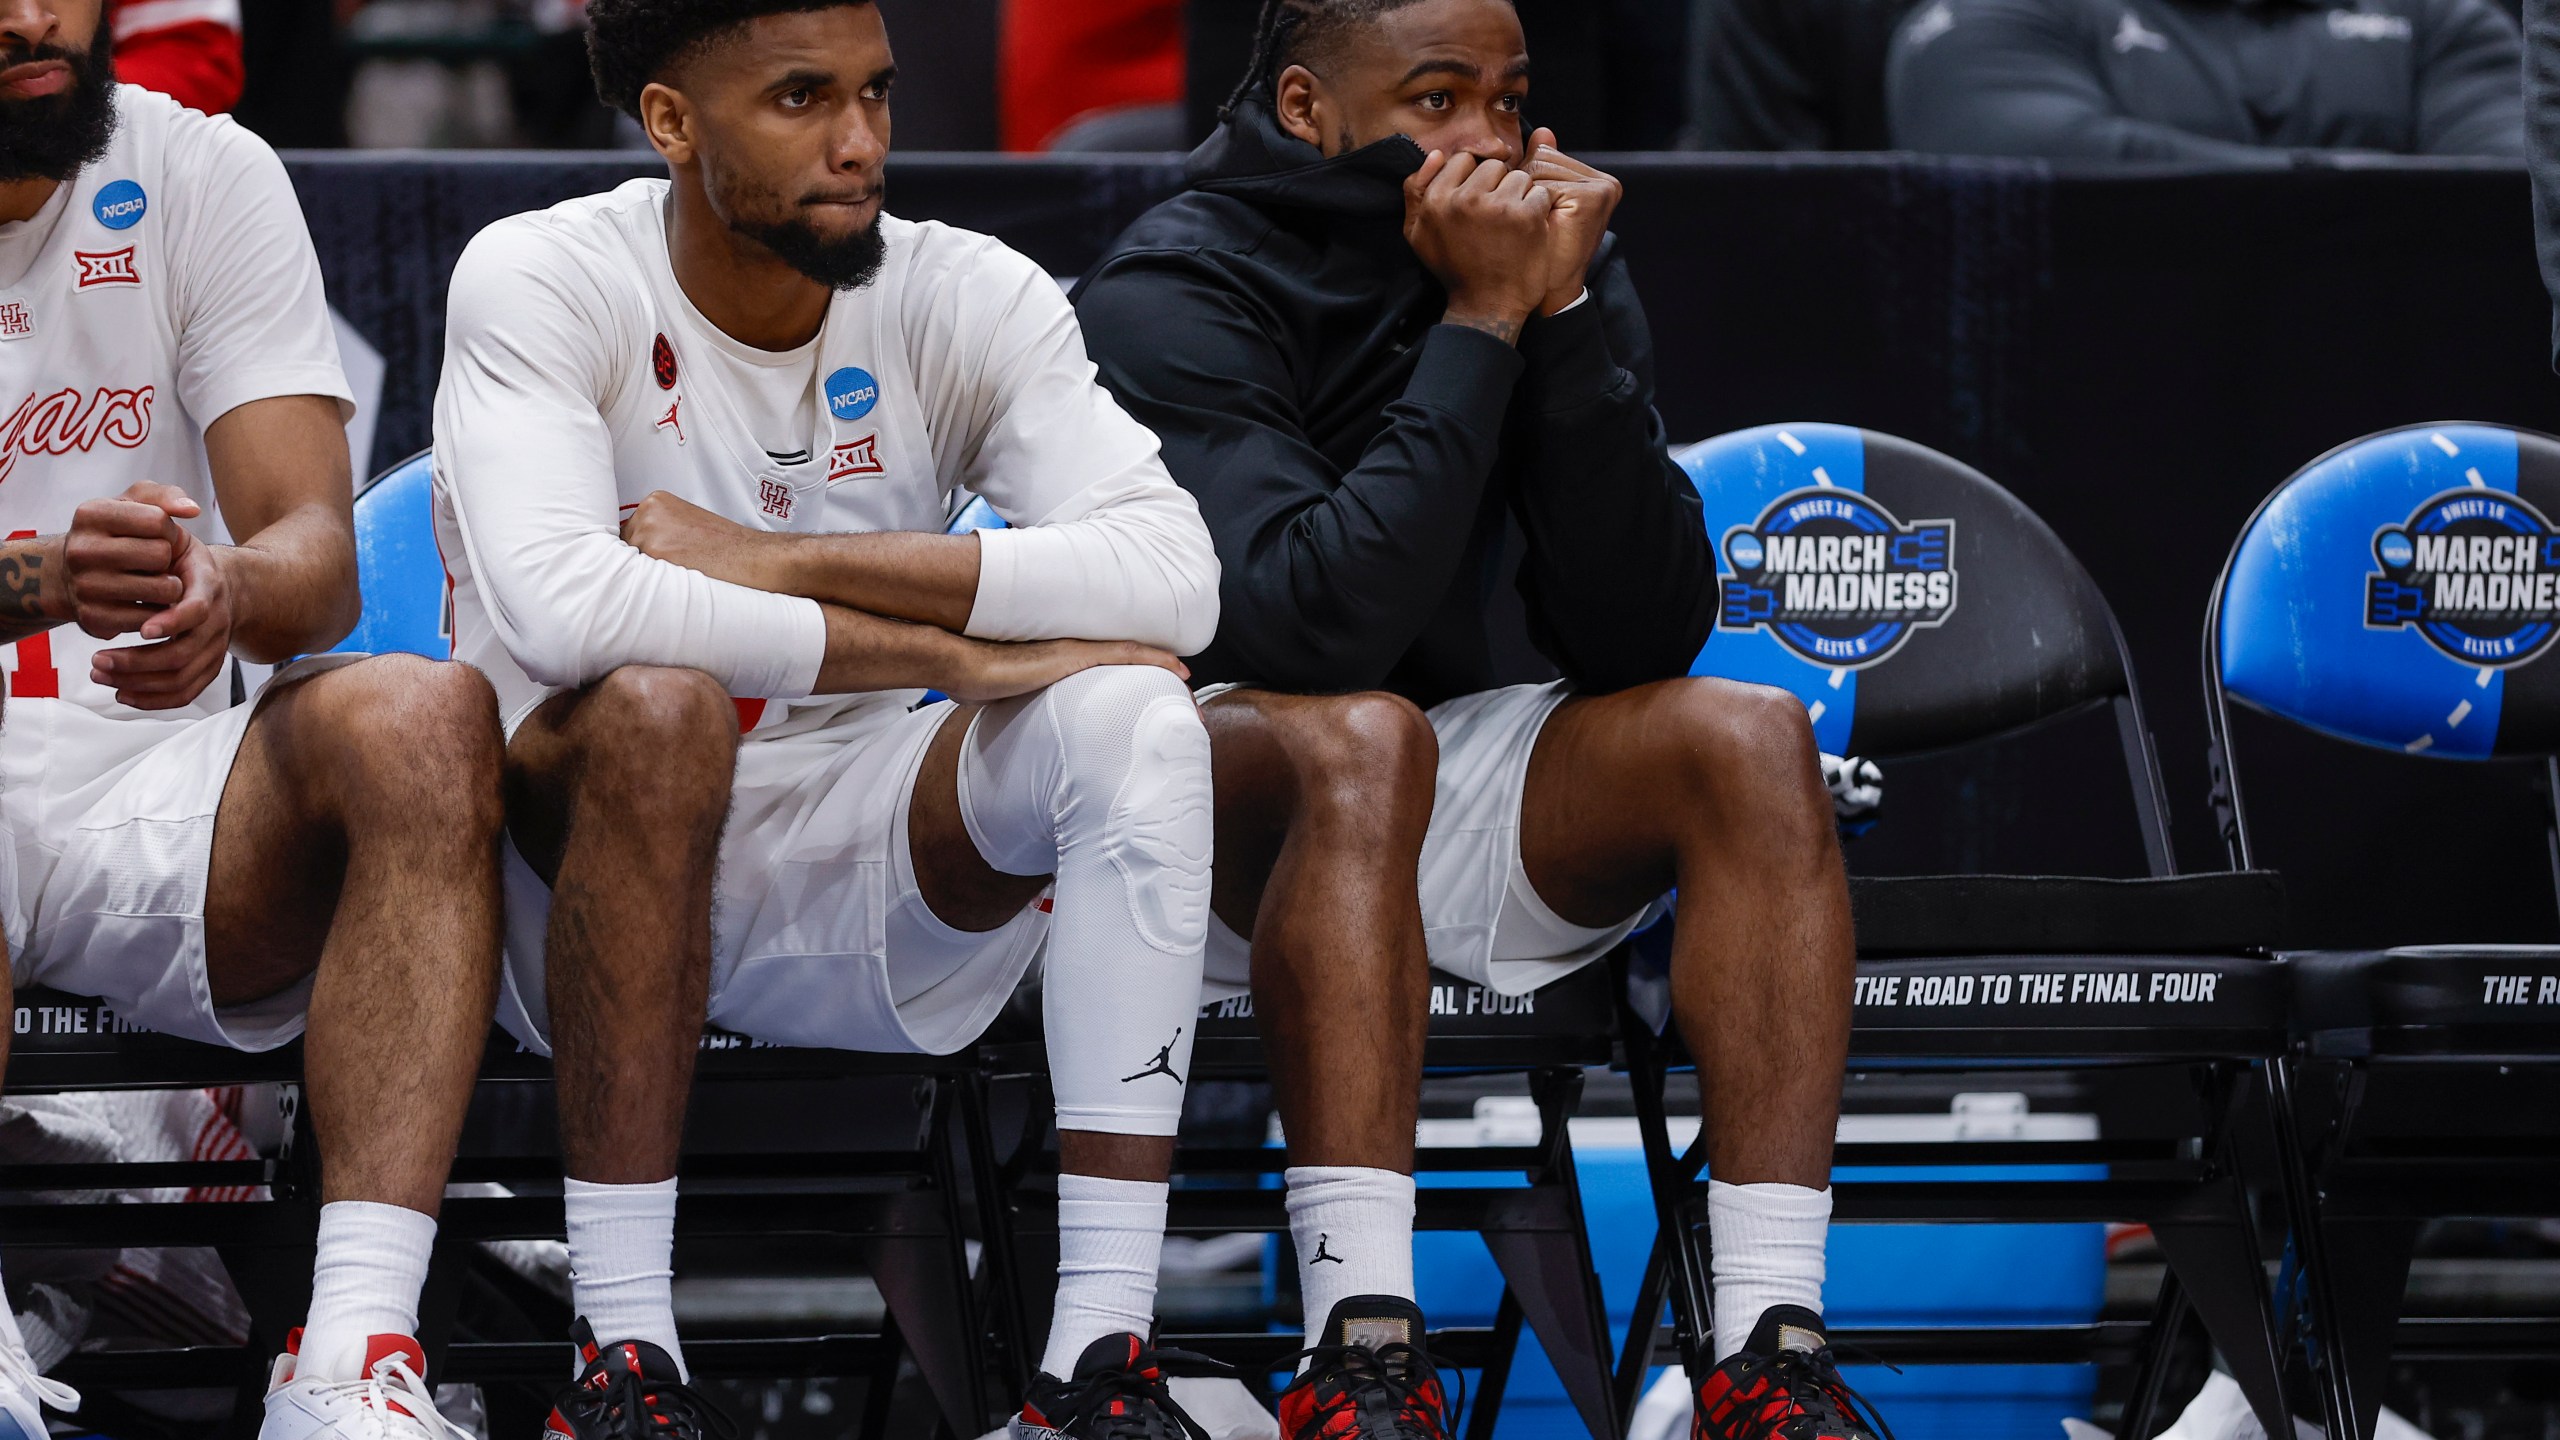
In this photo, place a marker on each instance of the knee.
(1114, 719)
(422, 739)
(658, 734)
(1367, 760)
(1747, 751)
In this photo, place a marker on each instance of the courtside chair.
(1534, 1230)
(2399, 592)
(1915, 606)
(898, 1193)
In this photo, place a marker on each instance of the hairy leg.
(358, 833)
(616, 795)
(1322, 804)
(1714, 787)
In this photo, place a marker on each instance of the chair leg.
(927, 1294)
(1635, 1356)
(2366, 1271)
(1484, 1404)
(2219, 1271)
(2332, 1368)
(1673, 1178)
(2168, 1323)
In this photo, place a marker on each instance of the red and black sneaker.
(1784, 1386)
(631, 1390)
(1371, 1379)
(1118, 1393)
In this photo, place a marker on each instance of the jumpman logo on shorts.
(1162, 1064)
(1324, 1250)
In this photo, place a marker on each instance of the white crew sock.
(372, 1263)
(1354, 1231)
(622, 1245)
(1110, 1240)
(1767, 1240)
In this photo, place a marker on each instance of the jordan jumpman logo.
(1162, 1064)
(1324, 1251)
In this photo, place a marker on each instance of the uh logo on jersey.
(1837, 578)
(2476, 571)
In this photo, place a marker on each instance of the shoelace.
(1143, 1381)
(392, 1383)
(20, 1370)
(1408, 1388)
(1813, 1381)
(637, 1408)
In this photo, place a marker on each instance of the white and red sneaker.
(390, 1401)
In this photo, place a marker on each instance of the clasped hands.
(1508, 242)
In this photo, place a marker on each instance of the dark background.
(2141, 356)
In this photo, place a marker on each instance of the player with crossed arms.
(696, 448)
(232, 861)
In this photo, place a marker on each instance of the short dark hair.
(1303, 32)
(631, 43)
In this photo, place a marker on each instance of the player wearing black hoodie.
(1382, 320)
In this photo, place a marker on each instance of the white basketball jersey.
(578, 375)
(169, 283)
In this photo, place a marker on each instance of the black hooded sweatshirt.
(1355, 458)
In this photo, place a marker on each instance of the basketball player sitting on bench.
(1382, 319)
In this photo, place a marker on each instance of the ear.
(668, 120)
(1299, 104)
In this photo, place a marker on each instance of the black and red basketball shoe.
(1784, 1385)
(631, 1390)
(1118, 1393)
(1371, 1379)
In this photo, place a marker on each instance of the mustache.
(13, 56)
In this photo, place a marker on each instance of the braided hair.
(1302, 32)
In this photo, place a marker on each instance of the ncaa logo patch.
(115, 267)
(120, 205)
(1836, 578)
(2476, 571)
(662, 363)
(855, 457)
(851, 393)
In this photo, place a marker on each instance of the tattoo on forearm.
(21, 585)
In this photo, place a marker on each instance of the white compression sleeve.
(1103, 780)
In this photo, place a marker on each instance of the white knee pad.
(1103, 780)
(1114, 757)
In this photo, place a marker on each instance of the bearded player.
(696, 448)
(213, 853)
(1385, 322)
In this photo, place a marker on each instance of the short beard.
(846, 264)
(55, 137)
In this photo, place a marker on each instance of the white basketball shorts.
(1481, 919)
(110, 842)
(815, 891)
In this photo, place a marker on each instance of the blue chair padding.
(2403, 591)
(1910, 602)
(398, 566)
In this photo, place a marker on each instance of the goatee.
(846, 264)
(54, 137)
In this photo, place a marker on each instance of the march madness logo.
(66, 422)
(1836, 578)
(855, 457)
(2476, 571)
(115, 267)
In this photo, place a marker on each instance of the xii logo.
(114, 267)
